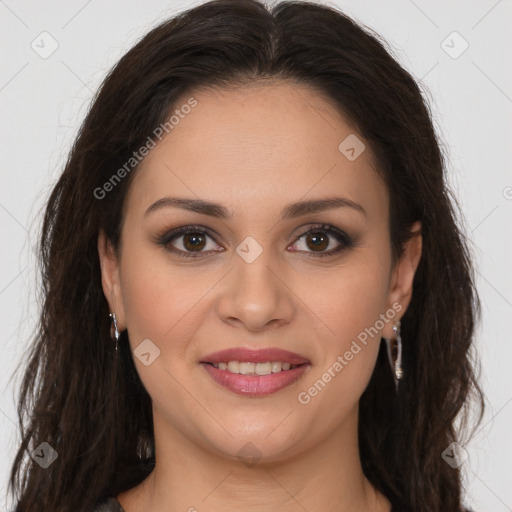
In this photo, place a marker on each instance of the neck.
(326, 476)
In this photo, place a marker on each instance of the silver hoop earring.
(114, 331)
(396, 365)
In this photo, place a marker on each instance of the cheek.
(351, 308)
(163, 302)
(145, 295)
(348, 299)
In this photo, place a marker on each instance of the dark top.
(112, 505)
(109, 505)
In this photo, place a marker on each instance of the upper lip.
(261, 355)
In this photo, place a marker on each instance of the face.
(268, 276)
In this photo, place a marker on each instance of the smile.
(255, 368)
(247, 381)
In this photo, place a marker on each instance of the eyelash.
(345, 241)
(165, 240)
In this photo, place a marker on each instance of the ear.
(110, 278)
(400, 291)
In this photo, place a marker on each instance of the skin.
(255, 150)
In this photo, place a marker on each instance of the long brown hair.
(92, 408)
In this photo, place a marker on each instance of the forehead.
(264, 143)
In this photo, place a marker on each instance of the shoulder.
(108, 505)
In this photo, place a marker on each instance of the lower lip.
(255, 385)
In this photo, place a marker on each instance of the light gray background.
(43, 101)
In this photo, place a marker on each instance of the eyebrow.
(288, 212)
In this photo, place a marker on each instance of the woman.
(256, 292)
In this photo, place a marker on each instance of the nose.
(257, 295)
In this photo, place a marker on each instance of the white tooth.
(276, 366)
(215, 365)
(263, 368)
(246, 368)
(233, 367)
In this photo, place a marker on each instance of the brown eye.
(194, 241)
(317, 241)
(318, 238)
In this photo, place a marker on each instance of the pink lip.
(262, 355)
(255, 385)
